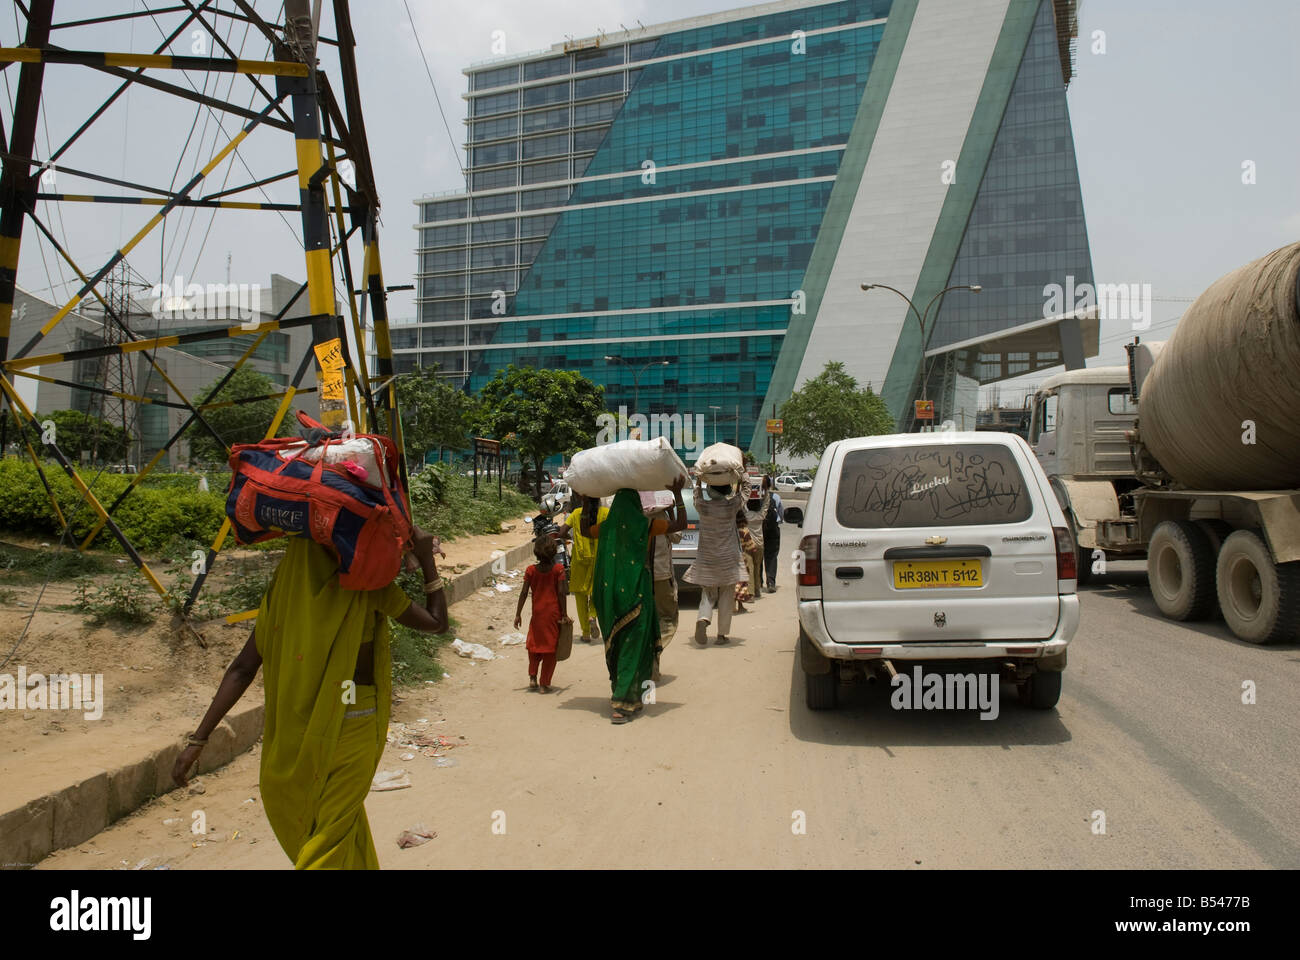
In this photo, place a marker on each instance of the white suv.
(934, 547)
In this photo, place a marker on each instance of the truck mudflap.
(1087, 502)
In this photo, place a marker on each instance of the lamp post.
(921, 318)
(636, 377)
(715, 410)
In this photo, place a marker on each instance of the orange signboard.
(925, 409)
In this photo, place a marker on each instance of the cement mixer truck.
(1190, 455)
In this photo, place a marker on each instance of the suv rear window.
(926, 485)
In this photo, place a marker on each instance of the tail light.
(810, 550)
(1067, 561)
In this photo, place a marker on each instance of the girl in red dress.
(550, 606)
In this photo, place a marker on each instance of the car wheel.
(1180, 570)
(1260, 599)
(1042, 690)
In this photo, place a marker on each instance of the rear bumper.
(814, 626)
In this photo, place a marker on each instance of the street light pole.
(921, 318)
(715, 421)
(636, 377)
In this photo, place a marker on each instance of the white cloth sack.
(721, 463)
(358, 450)
(639, 464)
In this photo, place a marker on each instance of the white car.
(791, 482)
(934, 547)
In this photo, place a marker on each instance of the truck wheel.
(1042, 690)
(1216, 530)
(1260, 599)
(1180, 570)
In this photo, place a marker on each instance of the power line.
(437, 99)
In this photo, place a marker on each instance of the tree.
(76, 433)
(434, 413)
(830, 407)
(243, 423)
(549, 412)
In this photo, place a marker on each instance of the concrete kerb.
(78, 811)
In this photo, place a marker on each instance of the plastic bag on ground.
(475, 651)
(639, 464)
(390, 780)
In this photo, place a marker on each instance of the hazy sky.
(1185, 93)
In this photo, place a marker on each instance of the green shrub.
(123, 600)
(150, 517)
(454, 510)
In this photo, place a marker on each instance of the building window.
(546, 146)
(497, 153)
(545, 172)
(497, 203)
(492, 179)
(541, 96)
(496, 103)
(552, 119)
(500, 77)
(598, 86)
(541, 69)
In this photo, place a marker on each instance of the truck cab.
(1079, 431)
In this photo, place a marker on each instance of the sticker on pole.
(925, 409)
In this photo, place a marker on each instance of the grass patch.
(415, 654)
(57, 563)
(444, 504)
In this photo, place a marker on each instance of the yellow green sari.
(323, 735)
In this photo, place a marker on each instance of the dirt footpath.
(534, 779)
(154, 677)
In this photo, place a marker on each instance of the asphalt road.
(728, 764)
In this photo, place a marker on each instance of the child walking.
(550, 602)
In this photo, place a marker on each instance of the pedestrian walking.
(623, 591)
(581, 567)
(545, 579)
(755, 510)
(771, 535)
(328, 684)
(661, 560)
(718, 565)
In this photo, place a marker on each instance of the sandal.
(532, 684)
(544, 689)
(720, 641)
(619, 717)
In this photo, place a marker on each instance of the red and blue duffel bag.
(286, 487)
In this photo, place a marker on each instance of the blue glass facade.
(1027, 227)
(745, 144)
(644, 211)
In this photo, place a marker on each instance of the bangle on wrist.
(433, 586)
(192, 741)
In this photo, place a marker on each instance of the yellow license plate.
(933, 574)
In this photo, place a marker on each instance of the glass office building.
(686, 213)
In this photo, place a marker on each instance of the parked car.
(684, 552)
(930, 548)
(793, 482)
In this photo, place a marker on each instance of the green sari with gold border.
(623, 595)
